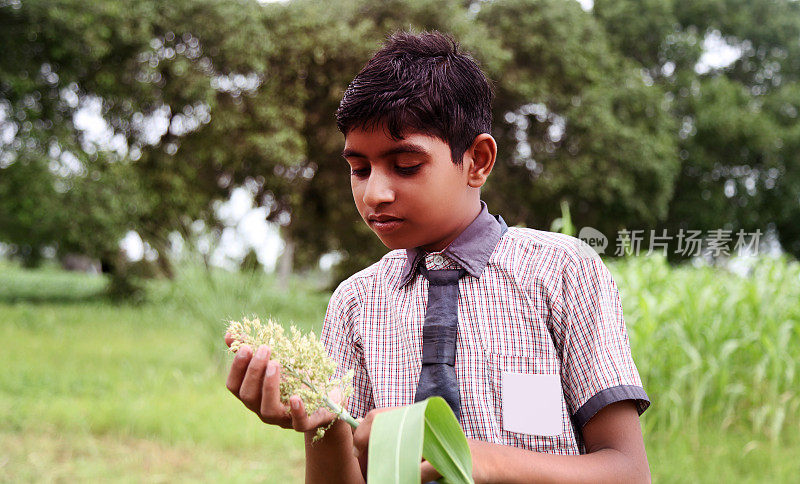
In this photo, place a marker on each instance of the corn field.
(714, 346)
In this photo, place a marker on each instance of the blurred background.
(165, 166)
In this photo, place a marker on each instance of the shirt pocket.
(529, 402)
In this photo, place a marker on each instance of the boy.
(517, 329)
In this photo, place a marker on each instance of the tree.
(575, 121)
(603, 110)
(738, 133)
(61, 56)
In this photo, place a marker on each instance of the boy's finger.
(427, 472)
(250, 391)
(321, 418)
(360, 454)
(228, 339)
(361, 437)
(273, 411)
(238, 369)
(300, 419)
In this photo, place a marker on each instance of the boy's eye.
(359, 172)
(408, 170)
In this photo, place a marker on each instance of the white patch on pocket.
(531, 403)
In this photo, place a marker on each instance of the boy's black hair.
(420, 83)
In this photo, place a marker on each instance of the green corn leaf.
(400, 438)
(445, 445)
(395, 446)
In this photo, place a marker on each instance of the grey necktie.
(438, 375)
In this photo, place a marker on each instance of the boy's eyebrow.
(396, 150)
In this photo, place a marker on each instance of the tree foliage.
(738, 134)
(575, 122)
(604, 109)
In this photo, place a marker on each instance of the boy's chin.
(395, 244)
(392, 243)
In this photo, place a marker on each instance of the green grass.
(93, 390)
(80, 372)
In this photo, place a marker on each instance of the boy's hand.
(361, 436)
(255, 380)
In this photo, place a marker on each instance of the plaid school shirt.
(532, 303)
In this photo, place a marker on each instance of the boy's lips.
(384, 223)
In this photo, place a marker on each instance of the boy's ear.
(482, 155)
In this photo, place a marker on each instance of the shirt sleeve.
(343, 345)
(597, 367)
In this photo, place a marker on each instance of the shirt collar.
(471, 249)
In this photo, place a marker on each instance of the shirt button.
(438, 260)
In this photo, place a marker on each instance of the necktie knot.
(444, 277)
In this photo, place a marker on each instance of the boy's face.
(409, 191)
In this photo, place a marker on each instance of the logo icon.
(593, 242)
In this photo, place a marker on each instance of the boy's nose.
(379, 190)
